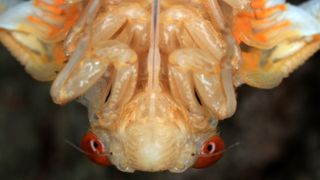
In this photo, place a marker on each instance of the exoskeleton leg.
(88, 64)
(101, 71)
(83, 24)
(206, 36)
(123, 87)
(96, 96)
(220, 17)
(195, 72)
(115, 86)
(93, 51)
(115, 23)
(196, 52)
(189, 30)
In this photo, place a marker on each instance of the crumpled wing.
(275, 39)
(33, 32)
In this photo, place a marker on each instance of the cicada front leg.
(198, 81)
(34, 30)
(103, 25)
(104, 76)
(83, 24)
(87, 65)
(275, 39)
(103, 61)
(196, 72)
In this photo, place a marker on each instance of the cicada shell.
(157, 76)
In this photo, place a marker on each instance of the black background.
(278, 131)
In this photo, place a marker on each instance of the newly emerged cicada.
(158, 75)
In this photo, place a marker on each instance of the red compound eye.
(211, 152)
(94, 149)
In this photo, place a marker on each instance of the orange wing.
(34, 32)
(275, 38)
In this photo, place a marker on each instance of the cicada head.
(153, 138)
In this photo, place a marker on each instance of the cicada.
(158, 75)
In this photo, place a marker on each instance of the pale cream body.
(152, 119)
(156, 76)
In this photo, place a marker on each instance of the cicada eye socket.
(211, 151)
(94, 149)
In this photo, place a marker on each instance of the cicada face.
(150, 138)
(153, 133)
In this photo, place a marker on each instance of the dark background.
(278, 131)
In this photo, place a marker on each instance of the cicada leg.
(123, 86)
(189, 30)
(195, 69)
(275, 40)
(33, 31)
(104, 76)
(130, 27)
(87, 65)
(195, 74)
(96, 96)
(221, 19)
(108, 69)
(83, 24)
